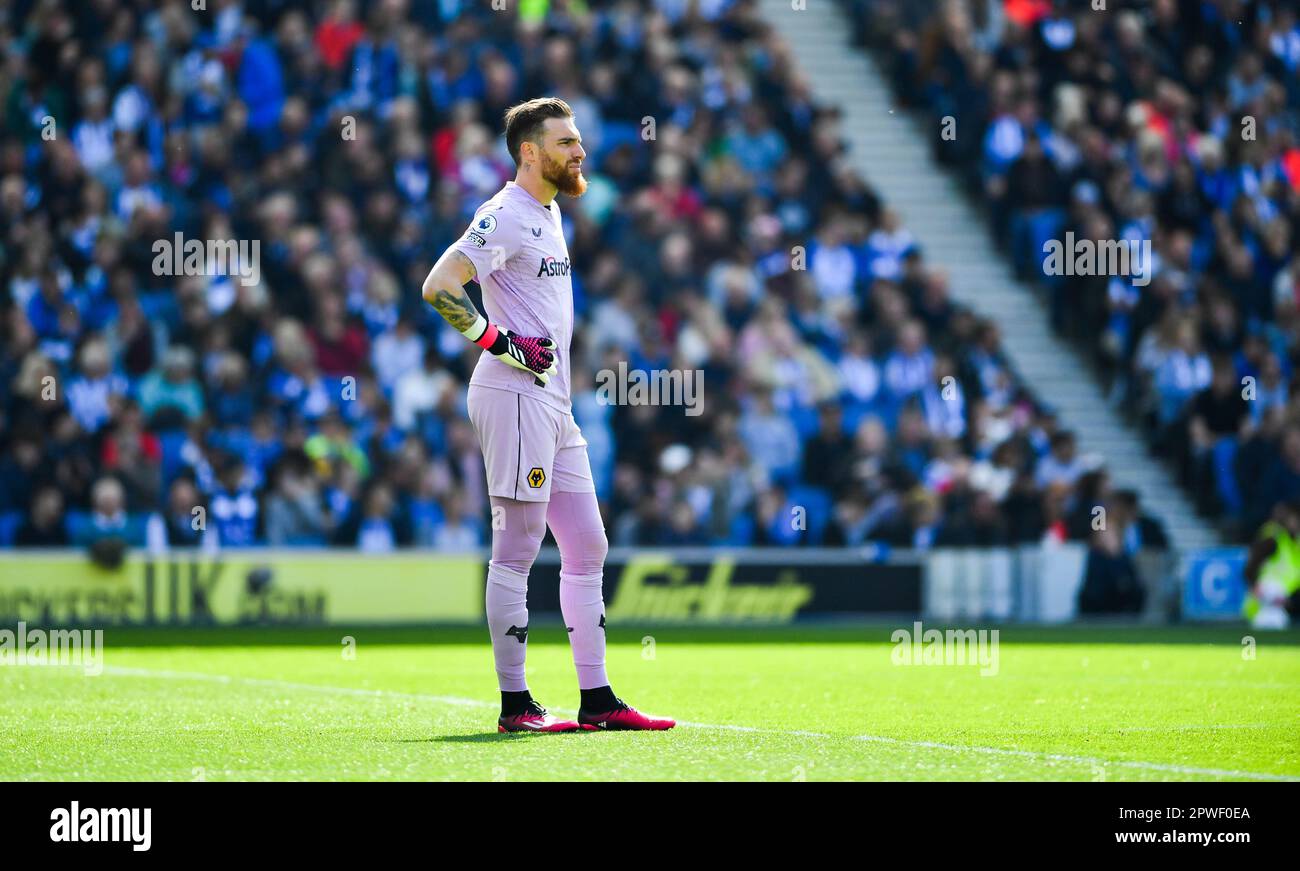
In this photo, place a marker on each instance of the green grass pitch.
(816, 703)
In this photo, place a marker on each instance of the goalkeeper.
(537, 466)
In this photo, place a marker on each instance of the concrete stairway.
(889, 148)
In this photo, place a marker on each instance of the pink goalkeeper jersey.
(518, 249)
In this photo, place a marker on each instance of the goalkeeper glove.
(529, 353)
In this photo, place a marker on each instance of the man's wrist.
(482, 333)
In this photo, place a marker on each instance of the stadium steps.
(890, 148)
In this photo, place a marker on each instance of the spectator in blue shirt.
(234, 512)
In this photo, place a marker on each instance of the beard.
(566, 180)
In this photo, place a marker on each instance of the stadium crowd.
(846, 399)
(1174, 121)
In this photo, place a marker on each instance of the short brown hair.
(524, 122)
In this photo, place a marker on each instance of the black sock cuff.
(514, 703)
(598, 700)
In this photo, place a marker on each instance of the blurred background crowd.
(1176, 121)
(847, 400)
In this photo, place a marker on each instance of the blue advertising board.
(1214, 586)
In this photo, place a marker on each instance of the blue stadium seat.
(618, 133)
(805, 421)
(334, 389)
(854, 413)
(78, 525)
(10, 521)
(235, 440)
(741, 532)
(172, 441)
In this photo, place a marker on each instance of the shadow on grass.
(478, 738)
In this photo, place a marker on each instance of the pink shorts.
(528, 446)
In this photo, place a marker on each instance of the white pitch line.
(460, 701)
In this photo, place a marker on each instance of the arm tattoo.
(450, 300)
(456, 308)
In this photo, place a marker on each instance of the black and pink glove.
(530, 353)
